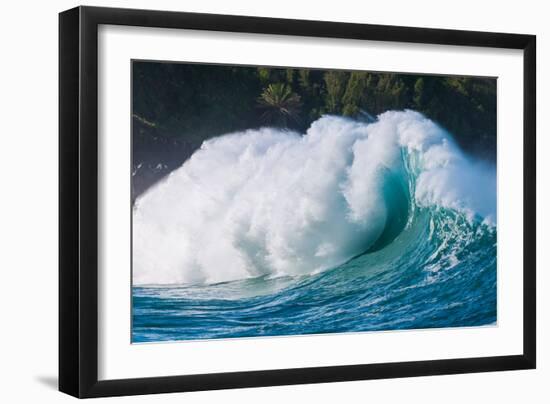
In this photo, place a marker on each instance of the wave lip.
(273, 202)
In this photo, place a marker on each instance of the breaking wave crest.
(273, 203)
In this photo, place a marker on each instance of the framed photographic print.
(251, 201)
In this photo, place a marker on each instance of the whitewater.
(351, 226)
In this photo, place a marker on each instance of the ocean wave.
(273, 203)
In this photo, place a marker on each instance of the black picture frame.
(78, 201)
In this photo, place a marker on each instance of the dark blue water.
(438, 271)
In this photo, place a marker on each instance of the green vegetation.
(176, 106)
(280, 105)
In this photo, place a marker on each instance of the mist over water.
(271, 203)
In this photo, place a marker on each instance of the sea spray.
(274, 203)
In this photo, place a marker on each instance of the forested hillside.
(176, 106)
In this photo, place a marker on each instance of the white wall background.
(28, 202)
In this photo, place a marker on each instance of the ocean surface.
(351, 227)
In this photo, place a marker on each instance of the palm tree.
(279, 104)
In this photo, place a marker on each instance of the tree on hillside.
(355, 94)
(280, 105)
(335, 83)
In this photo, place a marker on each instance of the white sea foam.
(273, 202)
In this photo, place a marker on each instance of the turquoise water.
(439, 272)
(351, 227)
